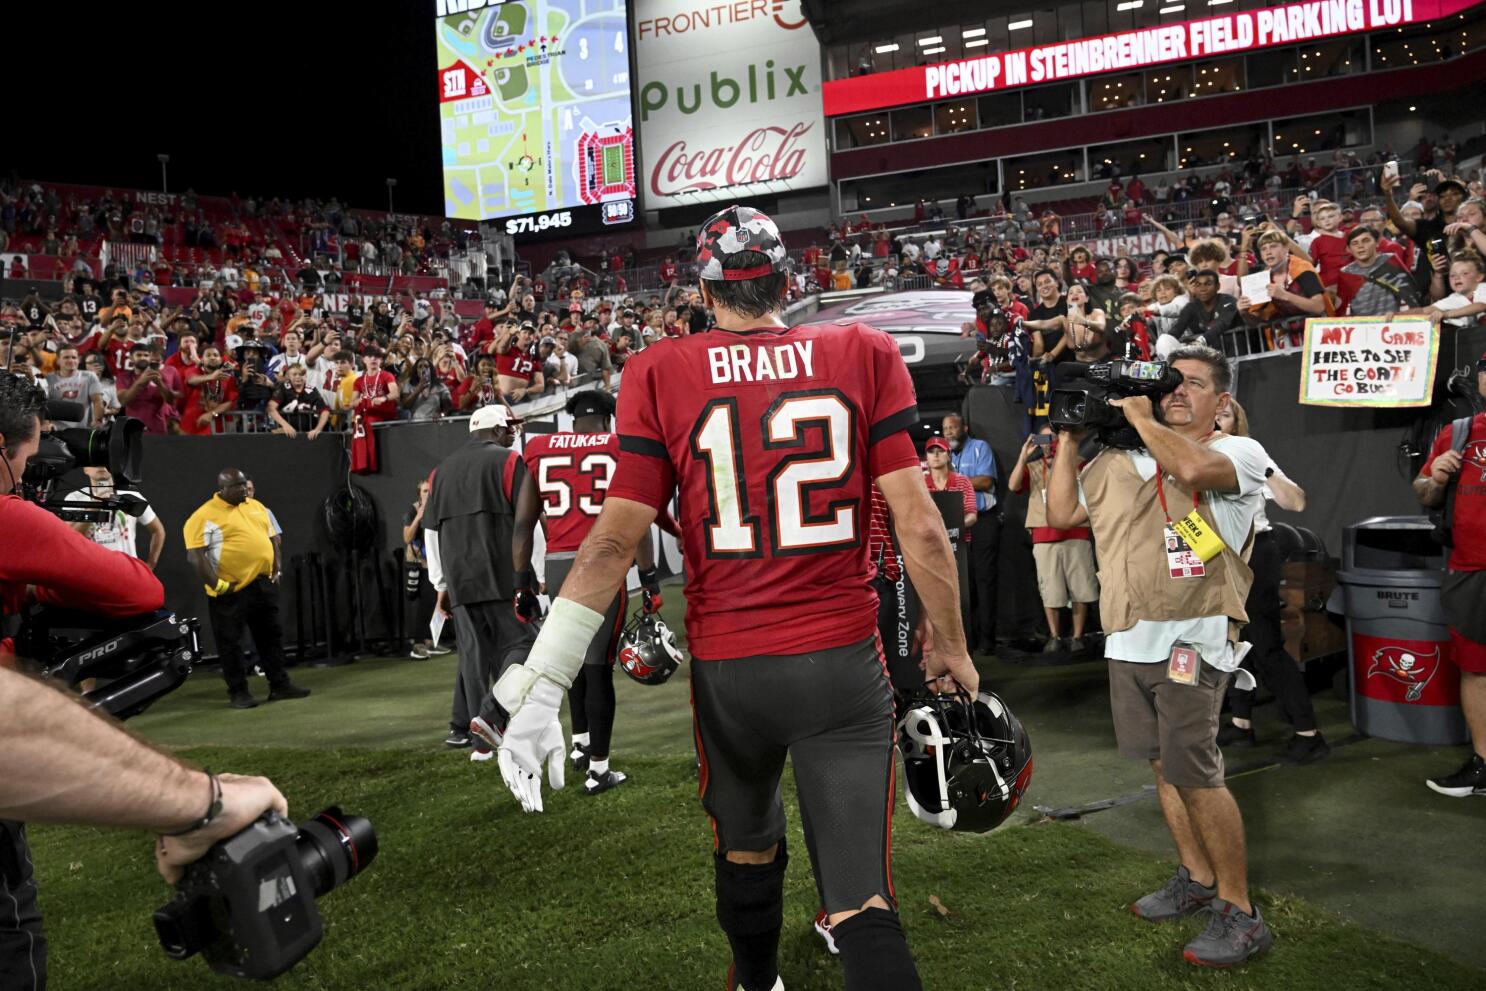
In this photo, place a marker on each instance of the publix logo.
(753, 86)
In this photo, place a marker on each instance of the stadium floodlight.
(884, 49)
(934, 51)
(930, 41)
(972, 33)
(1019, 25)
(1130, 5)
(977, 42)
(1175, 8)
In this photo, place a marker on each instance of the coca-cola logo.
(765, 154)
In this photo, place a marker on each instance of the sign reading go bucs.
(730, 100)
(1369, 361)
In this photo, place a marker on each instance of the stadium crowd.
(276, 341)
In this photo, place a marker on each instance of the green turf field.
(614, 892)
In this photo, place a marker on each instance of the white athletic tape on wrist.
(557, 655)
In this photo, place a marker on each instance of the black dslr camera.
(248, 906)
(1081, 398)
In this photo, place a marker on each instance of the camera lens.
(334, 847)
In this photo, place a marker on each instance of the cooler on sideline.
(1404, 683)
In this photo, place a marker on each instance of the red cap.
(936, 443)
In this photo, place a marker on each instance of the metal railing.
(242, 421)
(1281, 336)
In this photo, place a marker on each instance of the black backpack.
(1444, 517)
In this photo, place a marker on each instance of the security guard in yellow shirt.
(229, 543)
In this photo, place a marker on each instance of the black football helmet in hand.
(967, 761)
(648, 651)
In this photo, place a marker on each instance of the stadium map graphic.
(534, 104)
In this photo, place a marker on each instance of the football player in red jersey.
(567, 477)
(773, 436)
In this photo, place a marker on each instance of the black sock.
(577, 706)
(750, 909)
(874, 954)
(599, 708)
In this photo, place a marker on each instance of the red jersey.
(773, 437)
(376, 399)
(1330, 254)
(516, 364)
(573, 472)
(1469, 528)
(199, 399)
(483, 332)
(1014, 310)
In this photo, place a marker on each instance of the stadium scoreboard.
(536, 113)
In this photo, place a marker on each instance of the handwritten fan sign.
(1369, 361)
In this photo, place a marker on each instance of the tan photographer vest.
(1135, 582)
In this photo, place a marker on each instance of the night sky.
(265, 98)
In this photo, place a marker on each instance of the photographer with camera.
(60, 762)
(1453, 480)
(1064, 559)
(147, 391)
(1173, 516)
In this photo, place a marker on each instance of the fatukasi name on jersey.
(573, 472)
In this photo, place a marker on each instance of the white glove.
(534, 736)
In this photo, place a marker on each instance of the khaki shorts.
(1065, 571)
(1156, 718)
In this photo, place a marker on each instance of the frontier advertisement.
(535, 113)
(730, 100)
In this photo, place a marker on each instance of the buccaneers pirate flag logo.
(1475, 456)
(1411, 668)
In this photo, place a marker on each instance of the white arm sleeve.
(435, 562)
(557, 654)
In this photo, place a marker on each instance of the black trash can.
(1404, 683)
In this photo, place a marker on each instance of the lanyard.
(1161, 491)
(1161, 494)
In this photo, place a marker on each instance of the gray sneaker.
(1075, 645)
(1231, 937)
(1052, 646)
(1178, 898)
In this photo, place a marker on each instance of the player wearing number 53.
(1173, 518)
(773, 435)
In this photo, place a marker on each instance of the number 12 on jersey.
(731, 530)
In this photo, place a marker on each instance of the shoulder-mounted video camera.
(1080, 399)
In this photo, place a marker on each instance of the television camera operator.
(1172, 505)
(59, 761)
